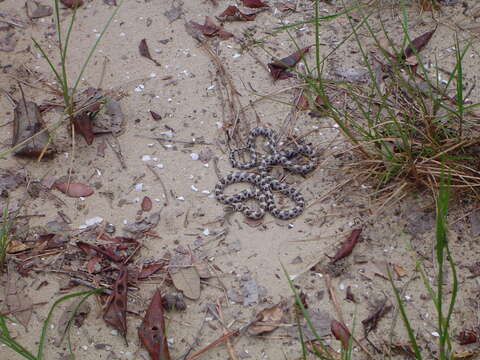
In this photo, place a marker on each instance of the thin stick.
(231, 351)
(165, 194)
(214, 343)
(333, 298)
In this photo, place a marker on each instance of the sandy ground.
(188, 92)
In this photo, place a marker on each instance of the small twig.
(214, 343)
(118, 152)
(160, 139)
(165, 193)
(22, 309)
(231, 351)
(333, 298)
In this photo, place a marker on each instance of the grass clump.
(407, 124)
(443, 307)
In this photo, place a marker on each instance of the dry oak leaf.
(116, 311)
(268, 319)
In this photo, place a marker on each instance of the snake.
(264, 184)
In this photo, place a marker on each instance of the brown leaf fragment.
(210, 29)
(187, 280)
(149, 270)
(152, 330)
(341, 333)
(145, 52)
(467, 337)
(155, 116)
(233, 13)
(82, 124)
(417, 44)
(39, 10)
(325, 351)
(72, 4)
(116, 311)
(268, 319)
(349, 295)
(27, 124)
(73, 189)
(279, 69)
(93, 250)
(347, 246)
(146, 204)
(371, 322)
(400, 271)
(302, 103)
(253, 3)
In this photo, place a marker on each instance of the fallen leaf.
(467, 337)
(371, 322)
(146, 204)
(144, 224)
(94, 265)
(73, 189)
(325, 351)
(399, 271)
(187, 280)
(349, 294)
(279, 69)
(28, 124)
(72, 3)
(116, 311)
(254, 3)
(347, 246)
(39, 10)
(155, 116)
(417, 44)
(152, 330)
(341, 333)
(149, 270)
(209, 28)
(302, 103)
(145, 52)
(174, 13)
(15, 246)
(93, 250)
(268, 319)
(82, 123)
(233, 13)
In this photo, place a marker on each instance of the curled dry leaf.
(72, 3)
(340, 332)
(82, 124)
(152, 330)
(417, 44)
(233, 13)
(268, 319)
(145, 52)
(348, 245)
(27, 124)
(209, 28)
(279, 69)
(254, 3)
(116, 311)
(146, 204)
(73, 189)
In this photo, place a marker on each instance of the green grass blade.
(94, 47)
(43, 334)
(50, 64)
(406, 322)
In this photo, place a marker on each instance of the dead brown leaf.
(268, 319)
(347, 246)
(145, 52)
(116, 311)
(72, 3)
(187, 280)
(233, 13)
(146, 204)
(36, 10)
(254, 3)
(341, 333)
(279, 69)
(73, 189)
(152, 331)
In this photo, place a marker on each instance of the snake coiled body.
(263, 183)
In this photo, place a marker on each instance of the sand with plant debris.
(245, 259)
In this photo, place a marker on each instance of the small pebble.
(139, 187)
(194, 156)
